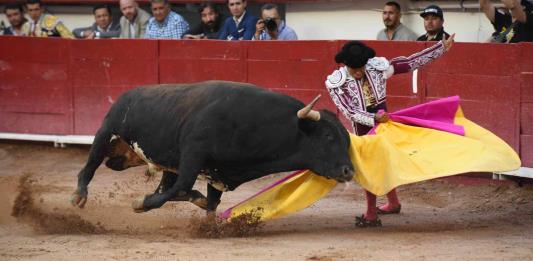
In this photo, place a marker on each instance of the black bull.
(229, 132)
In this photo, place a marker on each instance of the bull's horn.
(307, 112)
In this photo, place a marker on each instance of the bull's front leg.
(167, 181)
(213, 199)
(96, 156)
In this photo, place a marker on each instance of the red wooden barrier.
(35, 94)
(526, 99)
(66, 86)
(102, 70)
(297, 68)
(193, 61)
(489, 93)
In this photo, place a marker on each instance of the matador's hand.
(381, 117)
(448, 42)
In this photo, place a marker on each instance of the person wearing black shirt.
(433, 24)
(209, 26)
(513, 23)
(15, 15)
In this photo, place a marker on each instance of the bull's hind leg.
(190, 166)
(213, 199)
(96, 156)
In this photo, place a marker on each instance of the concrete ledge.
(521, 172)
(56, 139)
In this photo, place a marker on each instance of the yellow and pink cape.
(423, 142)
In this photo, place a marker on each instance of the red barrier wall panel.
(402, 85)
(505, 125)
(526, 118)
(488, 88)
(194, 61)
(292, 65)
(527, 86)
(480, 80)
(526, 57)
(481, 97)
(35, 123)
(395, 103)
(526, 114)
(35, 88)
(34, 84)
(526, 150)
(472, 58)
(102, 70)
(306, 96)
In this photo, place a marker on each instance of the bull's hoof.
(138, 205)
(78, 200)
(211, 214)
(200, 202)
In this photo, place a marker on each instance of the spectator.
(15, 16)
(134, 20)
(241, 25)
(103, 26)
(271, 27)
(166, 24)
(394, 29)
(433, 23)
(210, 23)
(44, 25)
(512, 24)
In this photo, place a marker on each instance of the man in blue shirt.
(241, 25)
(165, 24)
(271, 27)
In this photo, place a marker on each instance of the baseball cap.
(433, 10)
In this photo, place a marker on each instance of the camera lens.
(271, 25)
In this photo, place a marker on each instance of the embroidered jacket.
(347, 92)
(48, 26)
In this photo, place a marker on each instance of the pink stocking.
(370, 206)
(394, 202)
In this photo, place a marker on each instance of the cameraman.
(271, 27)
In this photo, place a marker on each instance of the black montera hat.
(432, 10)
(355, 54)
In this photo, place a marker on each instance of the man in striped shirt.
(165, 24)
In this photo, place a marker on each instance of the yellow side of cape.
(397, 154)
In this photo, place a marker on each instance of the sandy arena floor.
(457, 219)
